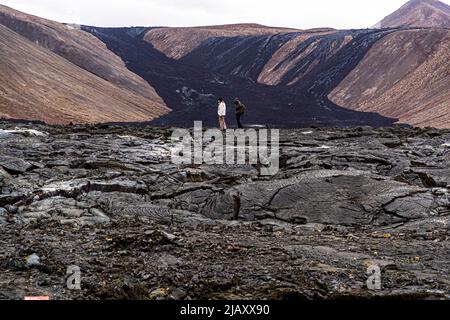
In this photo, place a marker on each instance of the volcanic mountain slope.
(405, 76)
(37, 84)
(73, 49)
(284, 59)
(307, 64)
(78, 47)
(419, 13)
(286, 77)
(178, 42)
(400, 73)
(192, 90)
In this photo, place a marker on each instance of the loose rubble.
(109, 200)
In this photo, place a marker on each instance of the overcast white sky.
(342, 14)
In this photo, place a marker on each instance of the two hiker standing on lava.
(222, 112)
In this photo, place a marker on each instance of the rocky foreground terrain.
(108, 200)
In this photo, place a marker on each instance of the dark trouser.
(238, 118)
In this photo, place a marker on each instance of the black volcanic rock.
(108, 199)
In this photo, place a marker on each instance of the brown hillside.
(37, 84)
(406, 75)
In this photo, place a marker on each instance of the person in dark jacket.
(240, 110)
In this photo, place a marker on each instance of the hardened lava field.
(109, 200)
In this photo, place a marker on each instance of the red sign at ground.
(37, 298)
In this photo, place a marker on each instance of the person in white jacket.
(222, 112)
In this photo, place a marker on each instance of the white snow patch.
(25, 132)
(4, 134)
